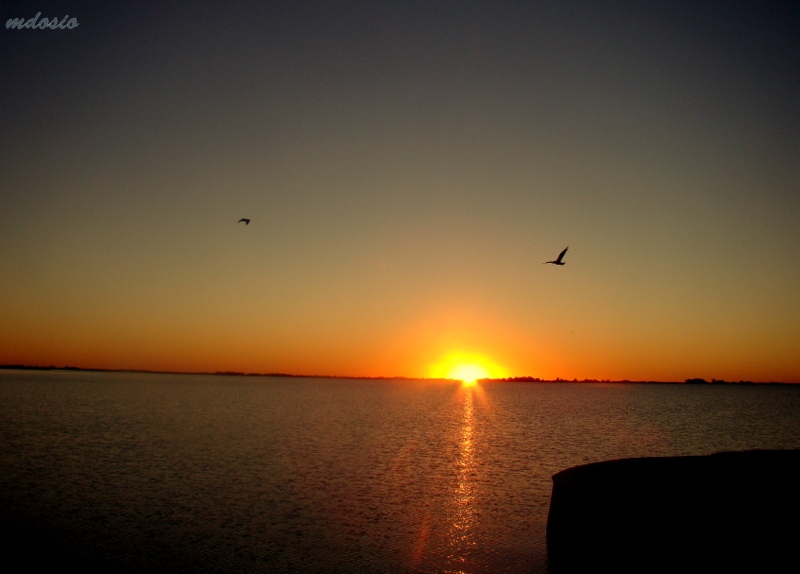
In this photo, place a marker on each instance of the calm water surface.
(189, 473)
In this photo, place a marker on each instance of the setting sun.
(466, 367)
(468, 373)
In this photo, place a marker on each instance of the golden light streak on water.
(463, 511)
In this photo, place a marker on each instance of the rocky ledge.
(729, 511)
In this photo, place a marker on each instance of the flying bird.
(560, 257)
(246, 221)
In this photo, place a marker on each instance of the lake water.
(129, 472)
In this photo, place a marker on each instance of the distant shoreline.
(692, 382)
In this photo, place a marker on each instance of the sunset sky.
(407, 168)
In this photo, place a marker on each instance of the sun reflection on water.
(463, 519)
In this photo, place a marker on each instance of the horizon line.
(520, 379)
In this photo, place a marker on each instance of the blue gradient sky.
(407, 167)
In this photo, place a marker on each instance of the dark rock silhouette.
(731, 511)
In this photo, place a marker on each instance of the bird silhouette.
(246, 221)
(560, 257)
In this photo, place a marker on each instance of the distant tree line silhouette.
(716, 382)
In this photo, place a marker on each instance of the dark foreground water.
(121, 472)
